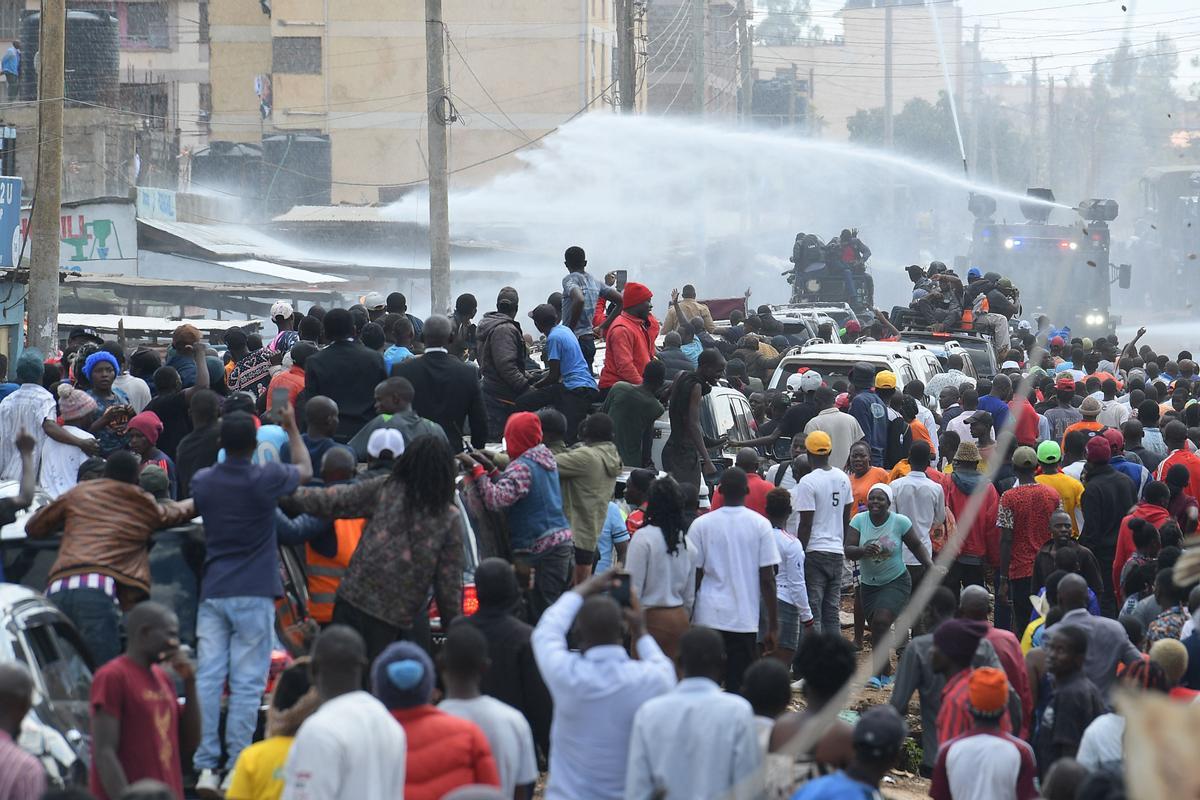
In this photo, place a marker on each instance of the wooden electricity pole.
(42, 308)
(627, 55)
(747, 64)
(439, 175)
(699, 68)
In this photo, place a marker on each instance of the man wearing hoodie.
(1153, 509)
(502, 353)
(971, 565)
(587, 474)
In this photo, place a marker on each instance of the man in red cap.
(1065, 414)
(985, 761)
(630, 340)
(1107, 498)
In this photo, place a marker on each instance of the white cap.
(1010, 365)
(793, 382)
(374, 300)
(282, 308)
(810, 381)
(385, 439)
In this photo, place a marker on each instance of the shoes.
(228, 781)
(209, 785)
(874, 682)
(798, 685)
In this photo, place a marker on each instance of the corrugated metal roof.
(108, 322)
(226, 240)
(260, 267)
(335, 214)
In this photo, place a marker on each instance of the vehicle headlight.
(1008, 244)
(1094, 319)
(1074, 245)
(813, 285)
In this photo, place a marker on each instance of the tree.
(785, 24)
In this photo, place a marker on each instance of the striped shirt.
(21, 775)
(954, 716)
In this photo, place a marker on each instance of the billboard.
(97, 236)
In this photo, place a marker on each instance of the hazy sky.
(1066, 34)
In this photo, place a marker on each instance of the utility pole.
(747, 65)
(976, 103)
(1051, 136)
(439, 175)
(42, 308)
(699, 75)
(627, 64)
(887, 76)
(1035, 172)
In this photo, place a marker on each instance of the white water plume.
(678, 201)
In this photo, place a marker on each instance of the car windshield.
(53, 647)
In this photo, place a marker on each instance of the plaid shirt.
(954, 717)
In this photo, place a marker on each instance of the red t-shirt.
(144, 702)
(1026, 510)
(1027, 421)
(756, 497)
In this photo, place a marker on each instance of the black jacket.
(513, 677)
(675, 361)
(1107, 497)
(447, 392)
(500, 345)
(346, 372)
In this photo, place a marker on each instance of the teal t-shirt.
(888, 565)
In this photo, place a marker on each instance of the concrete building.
(354, 71)
(846, 74)
(672, 62)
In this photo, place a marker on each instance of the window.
(145, 25)
(203, 22)
(10, 18)
(297, 55)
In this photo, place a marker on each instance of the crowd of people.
(623, 633)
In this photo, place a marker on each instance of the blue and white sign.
(10, 221)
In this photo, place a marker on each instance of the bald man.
(446, 390)
(975, 603)
(758, 487)
(1108, 643)
(351, 748)
(393, 404)
(322, 420)
(139, 730)
(21, 775)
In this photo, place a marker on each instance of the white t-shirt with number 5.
(825, 492)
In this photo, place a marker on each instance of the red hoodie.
(629, 346)
(1156, 516)
(982, 541)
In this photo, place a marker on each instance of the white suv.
(910, 361)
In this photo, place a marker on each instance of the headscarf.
(96, 358)
(147, 424)
(522, 431)
(887, 490)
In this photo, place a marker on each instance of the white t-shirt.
(826, 493)
(730, 545)
(987, 766)
(508, 733)
(60, 463)
(350, 749)
(921, 499)
(1102, 745)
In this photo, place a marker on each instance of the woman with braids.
(412, 540)
(660, 566)
(825, 661)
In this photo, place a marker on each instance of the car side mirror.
(1124, 274)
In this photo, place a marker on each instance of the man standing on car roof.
(869, 410)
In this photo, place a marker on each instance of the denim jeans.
(823, 576)
(235, 638)
(97, 619)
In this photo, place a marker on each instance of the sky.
(1065, 34)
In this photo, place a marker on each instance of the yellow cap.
(818, 443)
(885, 380)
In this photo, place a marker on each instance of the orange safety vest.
(968, 319)
(325, 574)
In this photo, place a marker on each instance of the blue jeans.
(823, 579)
(96, 617)
(235, 638)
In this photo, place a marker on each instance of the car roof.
(886, 349)
(13, 593)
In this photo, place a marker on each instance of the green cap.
(1049, 453)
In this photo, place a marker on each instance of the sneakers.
(209, 785)
(226, 783)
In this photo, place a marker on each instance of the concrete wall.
(847, 74)
(541, 61)
(98, 146)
